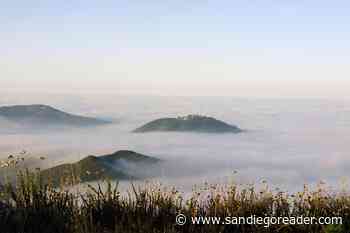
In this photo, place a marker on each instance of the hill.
(45, 116)
(190, 123)
(121, 165)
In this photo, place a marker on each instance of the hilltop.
(190, 123)
(121, 165)
(45, 116)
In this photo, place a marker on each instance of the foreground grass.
(34, 206)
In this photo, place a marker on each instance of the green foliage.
(36, 207)
(335, 229)
(33, 207)
(190, 123)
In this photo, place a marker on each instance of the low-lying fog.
(288, 142)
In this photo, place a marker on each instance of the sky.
(280, 48)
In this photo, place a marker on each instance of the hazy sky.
(224, 47)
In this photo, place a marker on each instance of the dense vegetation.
(30, 205)
(190, 123)
(33, 207)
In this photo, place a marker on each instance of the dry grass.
(30, 205)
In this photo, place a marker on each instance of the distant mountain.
(190, 123)
(45, 116)
(121, 165)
